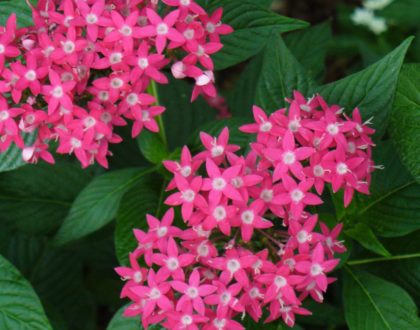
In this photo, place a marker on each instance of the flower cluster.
(84, 68)
(236, 256)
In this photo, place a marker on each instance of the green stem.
(381, 259)
(152, 89)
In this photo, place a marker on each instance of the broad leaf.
(152, 147)
(182, 116)
(141, 199)
(97, 204)
(36, 199)
(373, 303)
(20, 307)
(280, 74)
(119, 322)
(364, 235)
(310, 46)
(372, 90)
(405, 118)
(24, 13)
(253, 24)
(12, 157)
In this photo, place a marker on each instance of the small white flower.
(362, 16)
(378, 25)
(376, 4)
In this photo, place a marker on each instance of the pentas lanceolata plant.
(252, 245)
(84, 67)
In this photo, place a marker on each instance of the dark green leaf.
(373, 303)
(309, 46)
(280, 75)
(36, 199)
(253, 24)
(372, 90)
(364, 235)
(141, 199)
(119, 322)
(20, 307)
(97, 204)
(8, 7)
(405, 118)
(152, 147)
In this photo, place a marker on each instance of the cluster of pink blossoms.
(85, 65)
(236, 257)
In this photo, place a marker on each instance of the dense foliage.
(226, 161)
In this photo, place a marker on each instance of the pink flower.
(192, 293)
(135, 274)
(91, 17)
(188, 196)
(214, 27)
(329, 239)
(29, 75)
(185, 6)
(161, 29)
(58, 93)
(219, 184)
(216, 147)
(297, 196)
(182, 320)
(225, 298)
(7, 49)
(172, 262)
(126, 30)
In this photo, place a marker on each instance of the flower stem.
(382, 259)
(152, 90)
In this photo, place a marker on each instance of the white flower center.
(318, 170)
(30, 119)
(189, 34)
(297, 195)
(247, 217)
(210, 27)
(91, 19)
(75, 143)
(132, 99)
(154, 293)
(188, 195)
(254, 293)
(186, 320)
(219, 324)
(117, 83)
(290, 262)
(280, 281)
(30, 75)
(2, 49)
(351, 147)
(162, 29)
(115, 58)
(267, 195)
(305, 107)
(203, 250)
(303, 236)
(57, 92)
(162, 231)
(219, 213)
(185, 171)
(316, 269)
(192, 292)
(233, 265)
(143, 63)
(333, 129)
(289, 157)
(145, 116)
(225, 297)
(106, 117)
(4, 114)
(185, 2)
(137, 277)
(89, 122)
(69, 47)
(200, 51)
(172, 264)
(294, 125)
(237, 182)
(219, 184)
(217, 151)
(266, 127)
(342, 168)
(126, 31)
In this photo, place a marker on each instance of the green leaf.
(252, 26)
(24, 17)
(12, 157)
(152, 147)
(310, 46)
(20, 307)
(120, 322)
(372, 89)
(364, 235)
(373, 303)
(35, 199)
(280, 75)
(181, 116)
(402, 13)
(141, 199)
(97, 204)
(405, 118)
(322, 314)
